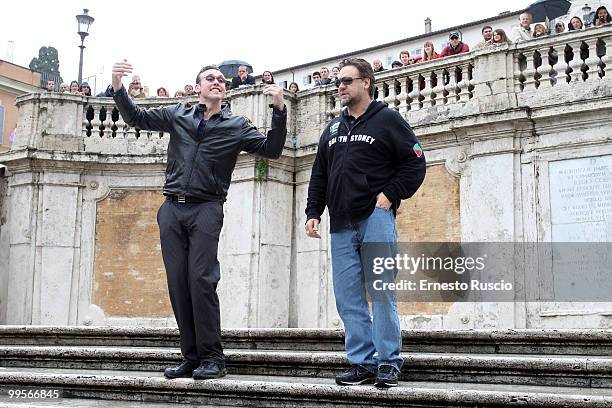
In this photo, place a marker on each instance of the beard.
(347, 101)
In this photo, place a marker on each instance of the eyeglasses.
(212, 78)
(346, 80)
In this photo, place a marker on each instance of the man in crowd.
(405, 58)
(362, 192)
(50, 85)
(325, 79)
(487, 37)
(189, 90)
(136, 90)
(64, 87)
(523, 31)
(455, 46)
(205, 141)
(243, 78)
(316, 78)
(377, 65)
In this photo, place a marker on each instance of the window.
(283, 84)
(307, 80)
(389, 60)
(416, 52)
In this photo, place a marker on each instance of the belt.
(182, 198)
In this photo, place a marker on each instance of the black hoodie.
(359, 158)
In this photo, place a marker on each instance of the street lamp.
(84, 21)
(586, 15)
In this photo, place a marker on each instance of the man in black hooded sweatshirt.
(368, 160)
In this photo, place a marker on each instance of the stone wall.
(499, 127)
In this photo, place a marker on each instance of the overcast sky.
(168, 42)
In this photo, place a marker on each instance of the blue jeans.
(369, 341)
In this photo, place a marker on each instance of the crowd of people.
(525, 31)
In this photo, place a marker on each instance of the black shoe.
(208, 370)
(183, 370)
(355, 375)
(387, 376)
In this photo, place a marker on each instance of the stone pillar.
(4, 241)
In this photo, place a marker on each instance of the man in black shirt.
(367, 162)
(205, 141)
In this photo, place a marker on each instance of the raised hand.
(120, 69)
(276, 92)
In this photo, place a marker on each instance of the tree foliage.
(47, 61)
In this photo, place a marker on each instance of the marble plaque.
(581, 199)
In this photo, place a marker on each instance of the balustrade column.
(392, 98)
(544, 69)
(402, 97)
(464, 84)
(427, 91)
(576, 63)
(438, 89)
(529, 72)
(592, 61)
(415, 95)
(560, 67)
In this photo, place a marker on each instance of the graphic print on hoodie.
(359, 158)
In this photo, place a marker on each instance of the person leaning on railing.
(539, 31)
(575, 24)
(500, 37)
(602, 17)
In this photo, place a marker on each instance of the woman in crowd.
(74, 88)
(575, 24)
(293, 87)
(162, 93)
(335, 72)
(267, 78)
(602, 16)
(559, 27)
(428, 52)
(500, 37)
(85, 89)
(539, 31)
(179, 94)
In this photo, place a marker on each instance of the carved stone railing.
(94, 125)
(558, 61)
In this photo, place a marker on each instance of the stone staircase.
(121, 367)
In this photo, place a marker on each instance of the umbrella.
(544, 10)
(229, 68)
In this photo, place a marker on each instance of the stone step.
(528, 341)
(572, 371)
(262, 391)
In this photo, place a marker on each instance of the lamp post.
(84, 20)
(586, 15)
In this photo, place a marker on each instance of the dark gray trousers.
(189, 235)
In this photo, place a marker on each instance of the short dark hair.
(316, 73)
(205, 68)
(485, 27)
(396, 64)
(364, 68)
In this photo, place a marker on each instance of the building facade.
(15, 80)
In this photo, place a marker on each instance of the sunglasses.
(212, 78)
(346, 80)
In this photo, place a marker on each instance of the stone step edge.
(580, 336)
(464, 361)
(249, 389)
